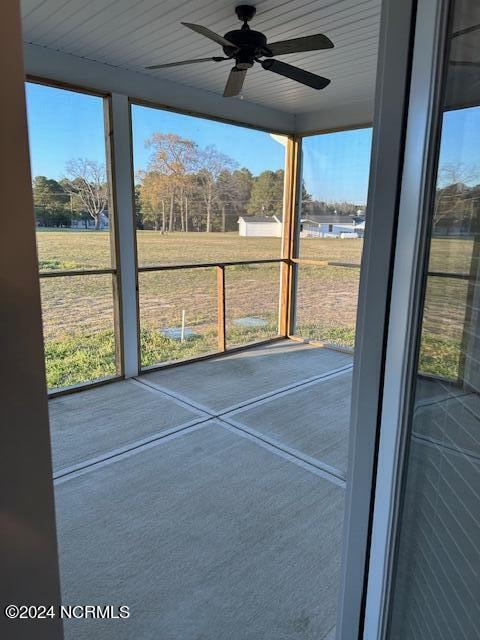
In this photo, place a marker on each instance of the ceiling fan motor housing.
(250, 44)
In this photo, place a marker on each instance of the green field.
(78, 311)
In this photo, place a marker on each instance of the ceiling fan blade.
(235, 82)
(210, 34)
(294, 73)
(177, 64)
(464, 63)
(297, 45)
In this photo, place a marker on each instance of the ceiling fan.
(246, 47)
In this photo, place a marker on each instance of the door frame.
(388, 145)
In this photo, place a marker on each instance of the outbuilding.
(260, 226)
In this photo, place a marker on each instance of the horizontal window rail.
(60, 273)
(447, 274)
(57, 273)
(357, 265)
(203, 265)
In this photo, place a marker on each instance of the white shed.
(260, 226)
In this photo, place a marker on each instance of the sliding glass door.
(436, 585)
(423, 579)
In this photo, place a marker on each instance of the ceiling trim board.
(42, 62)
(354, 115)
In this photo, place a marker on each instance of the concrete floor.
(208, 498)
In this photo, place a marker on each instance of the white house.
(332, 227)
(260, 226)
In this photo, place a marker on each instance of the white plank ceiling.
(131, 34)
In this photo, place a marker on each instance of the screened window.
(74, 222)
(335, 172)
(211, 194)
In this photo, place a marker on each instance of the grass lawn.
(79, 316)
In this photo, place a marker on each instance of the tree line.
(81, 195)
(187, 188)
(183, 188)
(312, 207)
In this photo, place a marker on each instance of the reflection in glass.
(436, 587)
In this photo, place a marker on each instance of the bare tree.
(452, 173)
(452, 202)
(86, 182)
(211, 165)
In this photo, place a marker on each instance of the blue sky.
(253, 149)
(460, 144)
(65, 124)
(62, 125)
(336, 165)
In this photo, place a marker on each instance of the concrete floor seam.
(287, 389)
(138, 445)
(181, 400)
(178, 397)
(333, 475)
(257, 399)
(329, 473)
(93, 463)
(284, 392)
(203, 414)
(328, 635)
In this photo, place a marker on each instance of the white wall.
(260, 229)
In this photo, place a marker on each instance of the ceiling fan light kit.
(246, 46)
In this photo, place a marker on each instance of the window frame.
(114, 270)
(285, 262)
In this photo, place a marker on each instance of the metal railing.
(61, 273)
